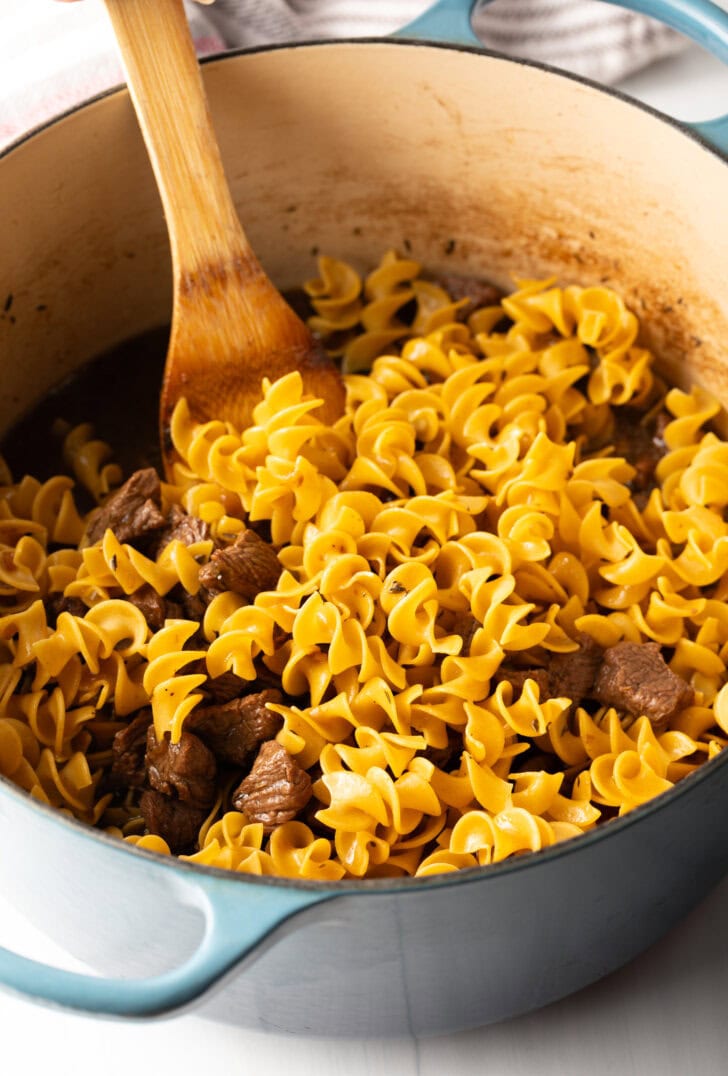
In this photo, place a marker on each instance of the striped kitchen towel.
(588, 37)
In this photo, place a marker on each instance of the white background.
(664, 1015)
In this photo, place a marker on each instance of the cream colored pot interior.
(470, 162)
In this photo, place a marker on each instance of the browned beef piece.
(222, 688)
(660, 424)
(275, 790)
(264, 677)
(193, 606)
(55, 604)
(572, 675)
(128, 767)
(175, 611)
(235, 729)
(182, 527)
(186, 769)
(177, 822)
(517, 677)
(225, 687)
(635, 678)
(479, 292)
(641, 444)
(246, 567)
(132, 512)
(568, 676)
(152, 605)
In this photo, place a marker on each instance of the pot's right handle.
(701, 20)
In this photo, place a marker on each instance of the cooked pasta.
(481, 614)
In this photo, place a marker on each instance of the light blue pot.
(381, 958)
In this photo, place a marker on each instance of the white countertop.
(664, 1015)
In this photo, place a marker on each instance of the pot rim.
(601, 832)
(684, 127)
(464, 876)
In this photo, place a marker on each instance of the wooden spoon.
(230, 326)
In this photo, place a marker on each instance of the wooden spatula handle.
(230, 326)
(154, 39)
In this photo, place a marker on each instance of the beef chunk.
(635, 678)
(178, 823)
(517, 677)
(185, 769)
(132, 512)
(641, 444)
(152, 605)
(478, 292)
(235, 729)
(128, 766)
(263, 675)
(193, 606)
(275, 790)
(568, 676)
(182, 527)
(223, 688)
(572, 675)
(246, 567)
(55, 604)
(175, 611)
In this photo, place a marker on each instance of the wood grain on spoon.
(230, 326)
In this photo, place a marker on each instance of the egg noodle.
(471, 480)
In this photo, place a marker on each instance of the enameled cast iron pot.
(478, 164)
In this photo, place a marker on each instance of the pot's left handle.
(703, 21)
(238, 918)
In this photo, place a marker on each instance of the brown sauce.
(117, 392)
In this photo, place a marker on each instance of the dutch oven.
(477, 164)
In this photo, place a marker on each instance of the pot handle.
(702, 20)
(237, 920)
